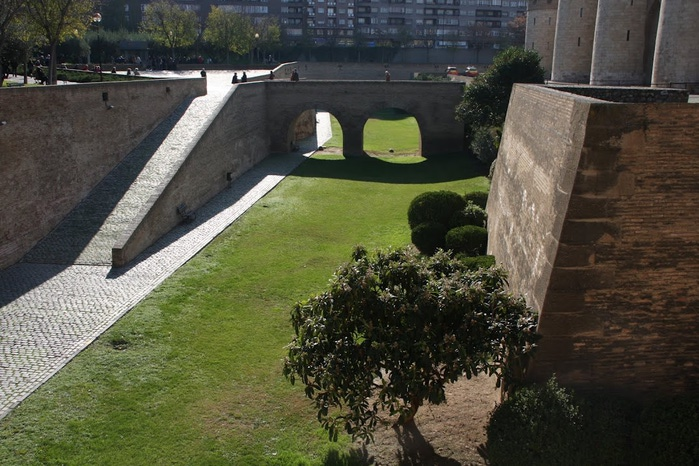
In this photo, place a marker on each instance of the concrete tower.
(676, 61)
(575, 32)
(541, 30)
(623, 35)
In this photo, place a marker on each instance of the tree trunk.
(52, 64)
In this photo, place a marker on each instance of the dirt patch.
(446, 435)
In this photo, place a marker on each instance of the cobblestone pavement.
(49, 312)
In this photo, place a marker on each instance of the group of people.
(244, 77)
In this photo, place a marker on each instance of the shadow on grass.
(436, 169)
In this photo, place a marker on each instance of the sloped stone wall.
(593, 211)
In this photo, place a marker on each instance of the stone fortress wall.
(58, 142)
(617, 42)
(592, 212)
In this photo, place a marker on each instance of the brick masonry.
(593, 212)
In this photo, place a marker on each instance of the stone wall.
(593, 212)
(58, 142)
(232, 142)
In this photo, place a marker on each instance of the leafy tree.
(269, 35)
(229, 31)
(394, 329)
(9, 9)
(57, 20)
(170, 25)
(484, 105)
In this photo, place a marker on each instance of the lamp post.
(254, 47)
(96, 20)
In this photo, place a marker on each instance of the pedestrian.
(295, 75)
(271, 74)
(388, 76)
(203, 73)
(235, 78)
(244, 78)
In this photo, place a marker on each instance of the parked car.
(452, 70)
(471, 71)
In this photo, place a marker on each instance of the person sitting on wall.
(295, 75)
(235, 78)
(244, 78)
(271, 74)
(203, 73)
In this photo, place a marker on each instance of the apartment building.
(410, 23)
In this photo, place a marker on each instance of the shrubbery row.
(550, 425)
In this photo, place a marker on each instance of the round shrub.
(480, 198)
(468, 239)
(428, 237)
(668, 432)
(538, 425)
(434, 206)
(469, 215)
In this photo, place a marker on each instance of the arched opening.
(313, 129)
(392, 132)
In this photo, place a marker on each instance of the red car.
(471, 71)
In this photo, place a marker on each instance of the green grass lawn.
(192, 375)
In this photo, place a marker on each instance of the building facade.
(617, 42)
(416, 23)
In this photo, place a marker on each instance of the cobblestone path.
(64, 294)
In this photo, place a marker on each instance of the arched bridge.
(354, 102)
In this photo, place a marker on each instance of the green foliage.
(472, 214)
(537, 425)
(485, 143)
(229, 31)
(480, 198)
(485, 100)
(170, 25)
(468, 239)
(434, 206)
(394, 329)
(476, 262)
(668, 432)
(428, 237)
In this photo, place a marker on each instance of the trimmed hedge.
(434, 206)
(480, 198)
(472, 214)
(428, 237)
(468, 239)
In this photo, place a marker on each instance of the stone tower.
(676, 60)
(575, 33)
(541, 30)
(624, 42)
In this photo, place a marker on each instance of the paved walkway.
(50, 310)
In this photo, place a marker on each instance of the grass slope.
(192, 375)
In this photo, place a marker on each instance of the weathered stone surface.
(603, 242)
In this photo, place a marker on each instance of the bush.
(480, 198)
(469, 215)
(434, 206)
(668, 432)
(428, 237)
(485, 144)
(476, 262)
(468, 239)
(536, 426)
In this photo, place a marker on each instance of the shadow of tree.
(417, 450)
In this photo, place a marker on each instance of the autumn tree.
(56, 20)
(169, 25)
(394, 329)
(229, 31)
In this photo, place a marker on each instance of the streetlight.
(254, 47)
(96, 20)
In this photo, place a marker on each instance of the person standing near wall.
(295, 75)
(388, 76)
